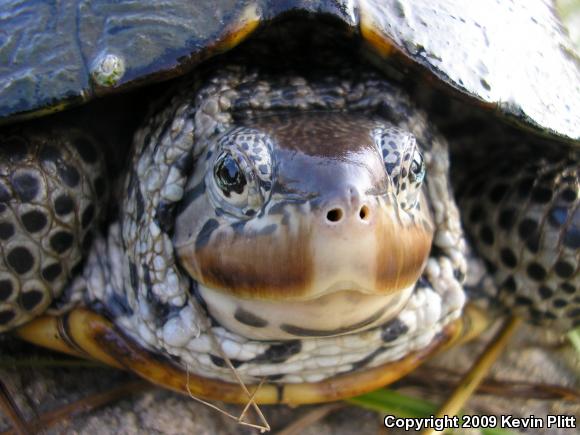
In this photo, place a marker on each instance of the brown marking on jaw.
(273, 270)
(401, 263)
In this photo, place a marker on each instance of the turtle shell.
(513, 57)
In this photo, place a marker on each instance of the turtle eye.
(229, 176)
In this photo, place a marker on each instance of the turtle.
(282, 226)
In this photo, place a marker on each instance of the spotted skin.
(523, 217)
(51, 187)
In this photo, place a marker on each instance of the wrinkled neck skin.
(298, 237)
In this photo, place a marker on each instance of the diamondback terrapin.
(285, 209)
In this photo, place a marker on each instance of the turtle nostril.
(334, 215)
(364, 213)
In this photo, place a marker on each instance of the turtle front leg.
(51, 185)
(522, 214)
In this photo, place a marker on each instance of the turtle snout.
(351, 208)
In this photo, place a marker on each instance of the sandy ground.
(155, 411)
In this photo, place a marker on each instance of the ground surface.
(154, 411)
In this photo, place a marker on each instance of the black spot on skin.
(139, 201)
(191, 195)
(533, 243)
(508, 258)
(536, 272)
(77, 269)
(68, 174)
(51, 272)
(572, 314)
(6, 230)
(164, 216)
(279, 353)
(507, 219)
(184, 164)
(86, 150)
(491, 267)
(559, 303)
(541, 195)
(61, 241)
(118, 306)
(509, 285)
(557, 216)
(477, 214)
(300, 331)
(366, 360)
(134, 277)
(568, 195)
(535, 315)
(274, 378)
(545, 292)
(393, 330)
(572, 235)
(220, 362)
(497, 193)
(147, 280)
(50, 154)
(459, 275)
(568, 288)
(526, 228)
(20, 259)
(523, 300)
(238, 227)
(5, 195)
(100, 187)
(250, 319)
(6, 289)
(564, 269)
(34, 221)
(87, 216)
(30, 299)
(525, 187)
(26, 186)
(6, 317)
(63, 205)
(204, 235)
(2, 207)
(550, 315)
(486, 235)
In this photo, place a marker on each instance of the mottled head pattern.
(272, 193)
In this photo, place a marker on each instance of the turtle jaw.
(318, 278)
(336, 313)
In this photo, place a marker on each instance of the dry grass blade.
(441, 380)
(473, 378)
(264, 426)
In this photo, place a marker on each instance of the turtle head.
(306, 225)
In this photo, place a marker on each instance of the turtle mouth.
(344, 309)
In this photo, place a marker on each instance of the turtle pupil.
(229, 176)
